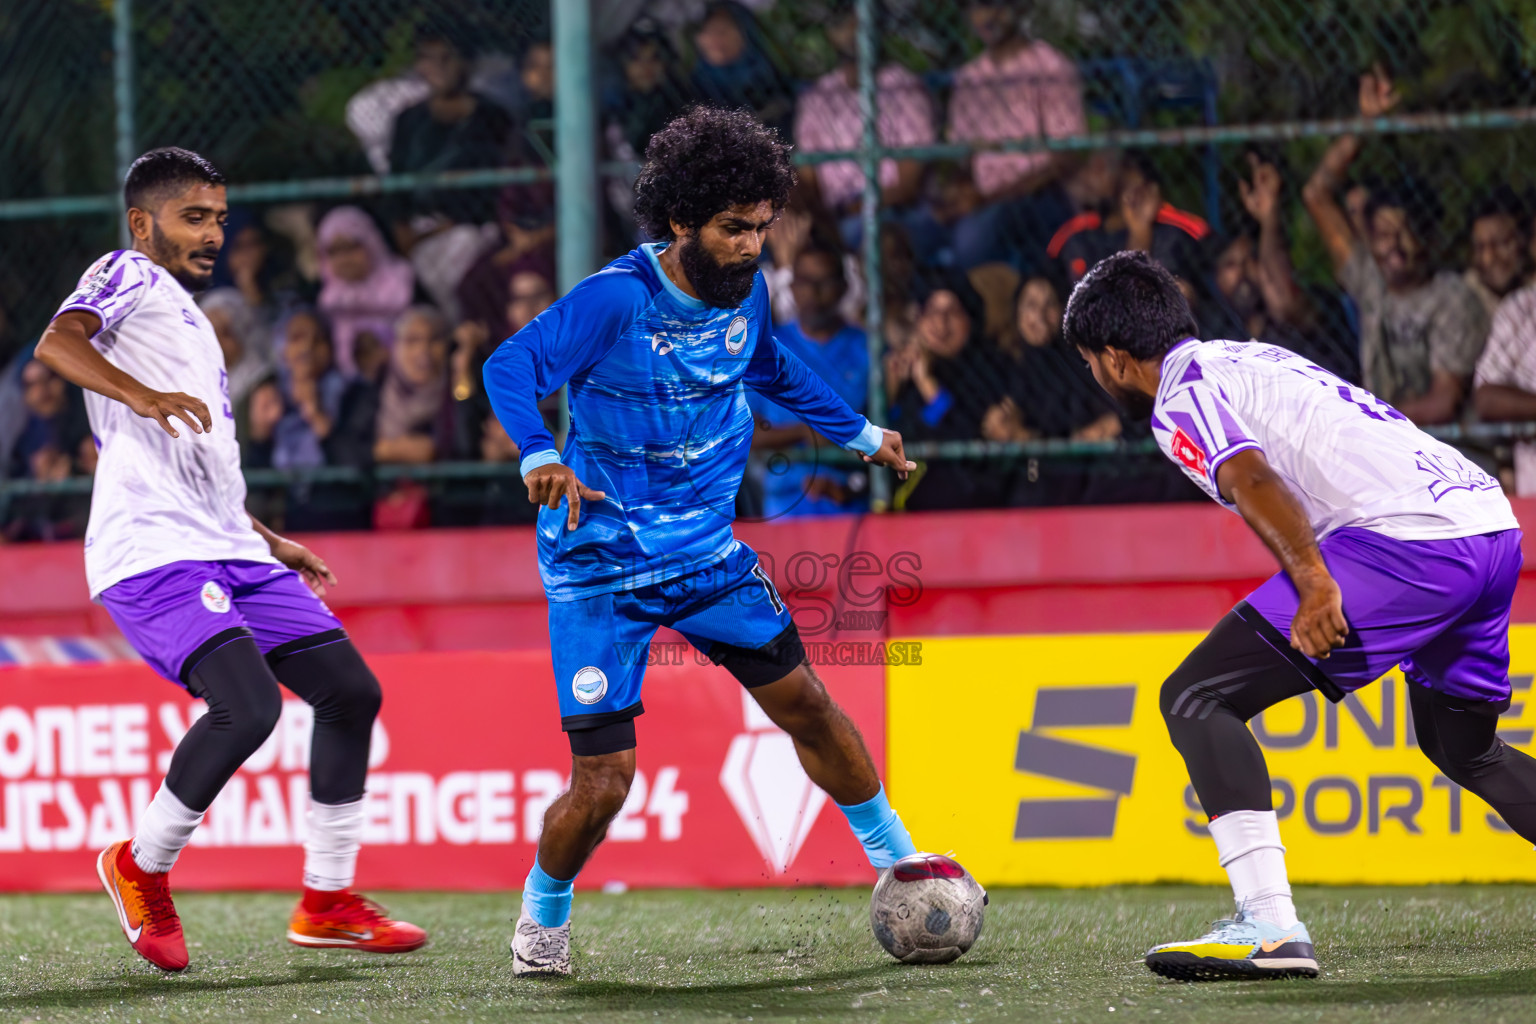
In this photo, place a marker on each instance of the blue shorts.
(601, 645)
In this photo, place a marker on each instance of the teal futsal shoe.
(1238, 947)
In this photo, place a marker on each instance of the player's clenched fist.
(1319, 624)
(549, 483)
(891, 455)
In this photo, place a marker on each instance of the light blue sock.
(548, 899)
(879, 830)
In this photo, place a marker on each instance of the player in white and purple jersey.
(211, 599)
(1394, 549)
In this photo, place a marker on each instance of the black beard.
(166, 254)
(721, 286)
(1136, 405)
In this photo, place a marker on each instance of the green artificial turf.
(1402, 955)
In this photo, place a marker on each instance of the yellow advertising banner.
(1044, 760)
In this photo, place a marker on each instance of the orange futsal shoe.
(144, 907)
(345, 920)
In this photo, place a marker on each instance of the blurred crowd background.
(1032, 139)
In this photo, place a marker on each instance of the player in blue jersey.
(658, 348)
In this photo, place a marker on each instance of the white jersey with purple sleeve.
(159, 499)
(1350, 458)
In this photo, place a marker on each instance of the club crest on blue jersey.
(736, 336)
(590, 685)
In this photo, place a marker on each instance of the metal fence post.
(576, 195)
(122, 94)
(869, 160)
(575, 143)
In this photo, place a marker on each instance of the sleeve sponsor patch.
(1188, 452)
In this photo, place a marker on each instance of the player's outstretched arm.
(891, 455)
(310, 566)
(548, 483)
(780, 375)
(66, 349)
(1248, 481)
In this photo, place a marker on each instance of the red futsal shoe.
(144, 907)
(345, 920)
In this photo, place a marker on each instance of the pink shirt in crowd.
(1033, 93)
(827, 120)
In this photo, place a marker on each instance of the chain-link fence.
(1351, 181)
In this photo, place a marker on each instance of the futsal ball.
(926, 909)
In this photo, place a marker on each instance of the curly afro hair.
(707, 160)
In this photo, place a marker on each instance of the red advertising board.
(467, 754)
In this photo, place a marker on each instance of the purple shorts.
(176, 615)
(1440, 608)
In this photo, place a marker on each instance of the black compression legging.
(240, 687)
(1240, 669)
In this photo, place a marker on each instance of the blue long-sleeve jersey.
(659, 420)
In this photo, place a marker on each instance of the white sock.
(330, 849)
(1248, 845)
(165, 827)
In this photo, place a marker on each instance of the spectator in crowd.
(525, 212)
(55, 435)
(371, 357)
(1139, 219)
(827, 120)
(898, 278)
(529, 294)
(1256, 293)
(647, 96)
(13, 406)
(734, 69)
(944, 382)
(1049, 391)
(412, 424)
(351, 440)
(241, 338)
(1016, 88)
(1505, 382)
(1500, 248)
(1421, 332)
(310, 416)
(262, 265)
(534, 94)
(1049, 394)
(496, 445)
(312, 392)
(474, 422)
(258, 430)
(55, 443)
(455, 128)
(838, 353)
(1357, 199)
(364, 286)
(1093, 187)
(528, 246)
(797, 228)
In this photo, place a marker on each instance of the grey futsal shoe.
(538, 951)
